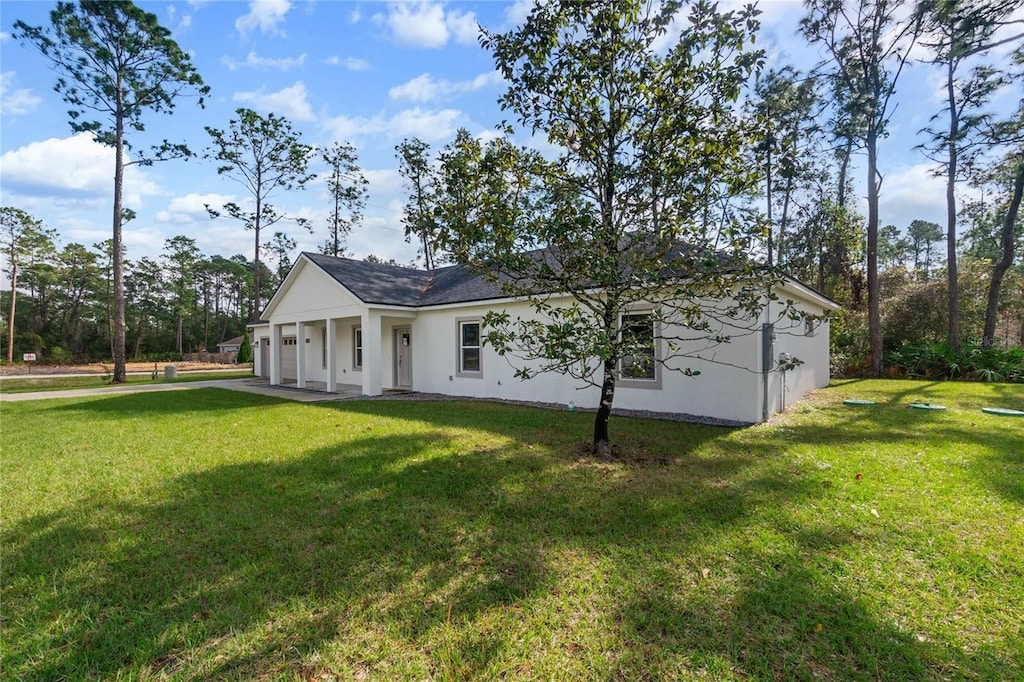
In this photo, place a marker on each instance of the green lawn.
(28, 384)
(219, 535)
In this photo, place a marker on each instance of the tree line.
(179, 302)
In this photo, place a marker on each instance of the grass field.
(210, 534)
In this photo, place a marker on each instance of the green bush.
(59, 355)
(971, 362)
(244, 351)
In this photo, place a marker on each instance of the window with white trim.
(357, 348)
(637, 330)
(469, 360)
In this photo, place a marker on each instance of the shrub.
(971, 362)
(244, 351)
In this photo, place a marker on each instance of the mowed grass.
(217, 535)
(30, 384)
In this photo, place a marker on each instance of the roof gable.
(379, 284)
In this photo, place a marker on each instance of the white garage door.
(289, 362)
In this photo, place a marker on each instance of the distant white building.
(231, 345)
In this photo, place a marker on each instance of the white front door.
(403, 357)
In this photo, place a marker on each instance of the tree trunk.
(1001, 266)
(10, 314)
(768, 202)
(780, 245)
(843, 170)
(117, 256)
(874, 288)
(602, 444)
(951, 268)
(255, 312)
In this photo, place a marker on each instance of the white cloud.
(4, 36)
(518, 11)
(354, 16)
(255, 61)
(424, 88)
(462, 26)
(350, 63)
(192, 208)
(75, 167)
(290, 102)
(429, 125)
(383, 180)
(428, 24)
(15, 101)
(910, 193)
(265, 15)
(419, 24)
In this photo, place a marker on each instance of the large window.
(469, 359)
(640, 364)
(357, 348)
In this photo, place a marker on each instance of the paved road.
(244, 385)
(71, 375)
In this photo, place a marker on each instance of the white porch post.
(300, 350)
(332, 360)
(371, 352)
(275, 354)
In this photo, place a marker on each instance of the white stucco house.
(346, 322)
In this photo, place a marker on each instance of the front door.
(403, 357)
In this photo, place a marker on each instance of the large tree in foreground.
(635, 220)
(115, 62)
(265, 155)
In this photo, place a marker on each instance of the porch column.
(371, 352)
(332, 360)
(275, 354)
(300, 350)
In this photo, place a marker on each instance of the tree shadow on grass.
(197, 400)
(995, 444)
(417, 555)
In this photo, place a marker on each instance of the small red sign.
(29, 357)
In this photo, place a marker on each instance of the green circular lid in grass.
(857, 401)
(1003, 412)
(927, 406)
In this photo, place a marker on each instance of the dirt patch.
(108, 368)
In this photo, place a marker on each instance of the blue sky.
(371, 73)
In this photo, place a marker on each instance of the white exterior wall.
(720, 390)
(259, 334)
(791, 338)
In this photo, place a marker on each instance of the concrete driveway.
(245, 385)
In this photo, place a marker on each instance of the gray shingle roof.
(374, 283)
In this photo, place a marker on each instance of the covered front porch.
(371, 350)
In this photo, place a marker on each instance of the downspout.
(767, 348)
